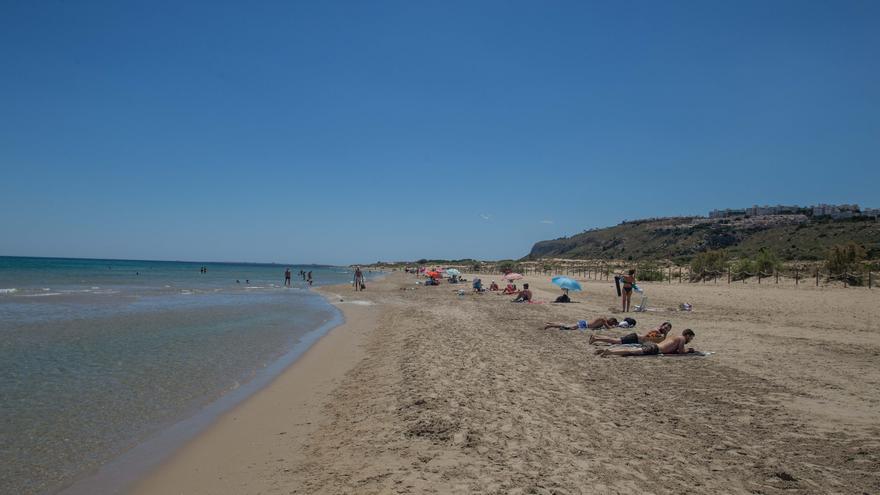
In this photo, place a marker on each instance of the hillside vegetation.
(790, 237)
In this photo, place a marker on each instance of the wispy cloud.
(485, 216)
(546, 221)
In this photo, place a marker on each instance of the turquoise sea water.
(98, 355)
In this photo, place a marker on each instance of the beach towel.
(690, 354)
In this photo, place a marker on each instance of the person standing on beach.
(287, 277)
(359, 279)
(628, 281)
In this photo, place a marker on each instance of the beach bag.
(363, 286)
(631, 322)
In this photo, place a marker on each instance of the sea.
(106, 366)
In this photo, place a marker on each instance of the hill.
(791, 237)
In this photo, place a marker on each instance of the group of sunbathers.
(524, 295)
(653, 342)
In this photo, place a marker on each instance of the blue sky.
(342, 132)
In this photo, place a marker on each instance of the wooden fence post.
(728, 275)
(679, 274)
(777, 275)
(759, 277)
(844, 279)
(796, 278)
(869, 279)
(817, 277)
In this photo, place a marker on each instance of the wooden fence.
(682, 274)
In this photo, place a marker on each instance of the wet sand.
(423, 391)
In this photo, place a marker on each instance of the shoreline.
(425, 390)
(278, 416)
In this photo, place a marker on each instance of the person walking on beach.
(359, 279)
(287, 277)
(309, 278)
(628, 281)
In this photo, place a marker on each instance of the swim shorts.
(630, 338)
(650, 349)
(582, 323)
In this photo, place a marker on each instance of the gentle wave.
(8, 291)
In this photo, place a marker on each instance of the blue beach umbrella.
(452, 271)
(566, 283)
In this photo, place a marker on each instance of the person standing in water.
(309, 278)
(287, 277)
(358, 279)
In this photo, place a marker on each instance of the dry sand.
(427, 391)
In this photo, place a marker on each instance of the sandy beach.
(426, 391)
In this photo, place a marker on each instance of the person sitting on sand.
(564, 297)
(675, 345)
(596, 324)
(510, 289)
(656, 336)
(524, 295)
(477, 285)
(493, 286)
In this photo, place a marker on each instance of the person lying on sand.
(510, 289)
(675, 345)
(524, 295)
(598, 323)
(656, 336)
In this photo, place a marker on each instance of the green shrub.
(766, 262)
(508, 266)
(743, 268)
(844, 260)
(650, 272)
(707, 263)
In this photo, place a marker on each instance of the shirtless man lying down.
(656, 336)
(674, 345)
